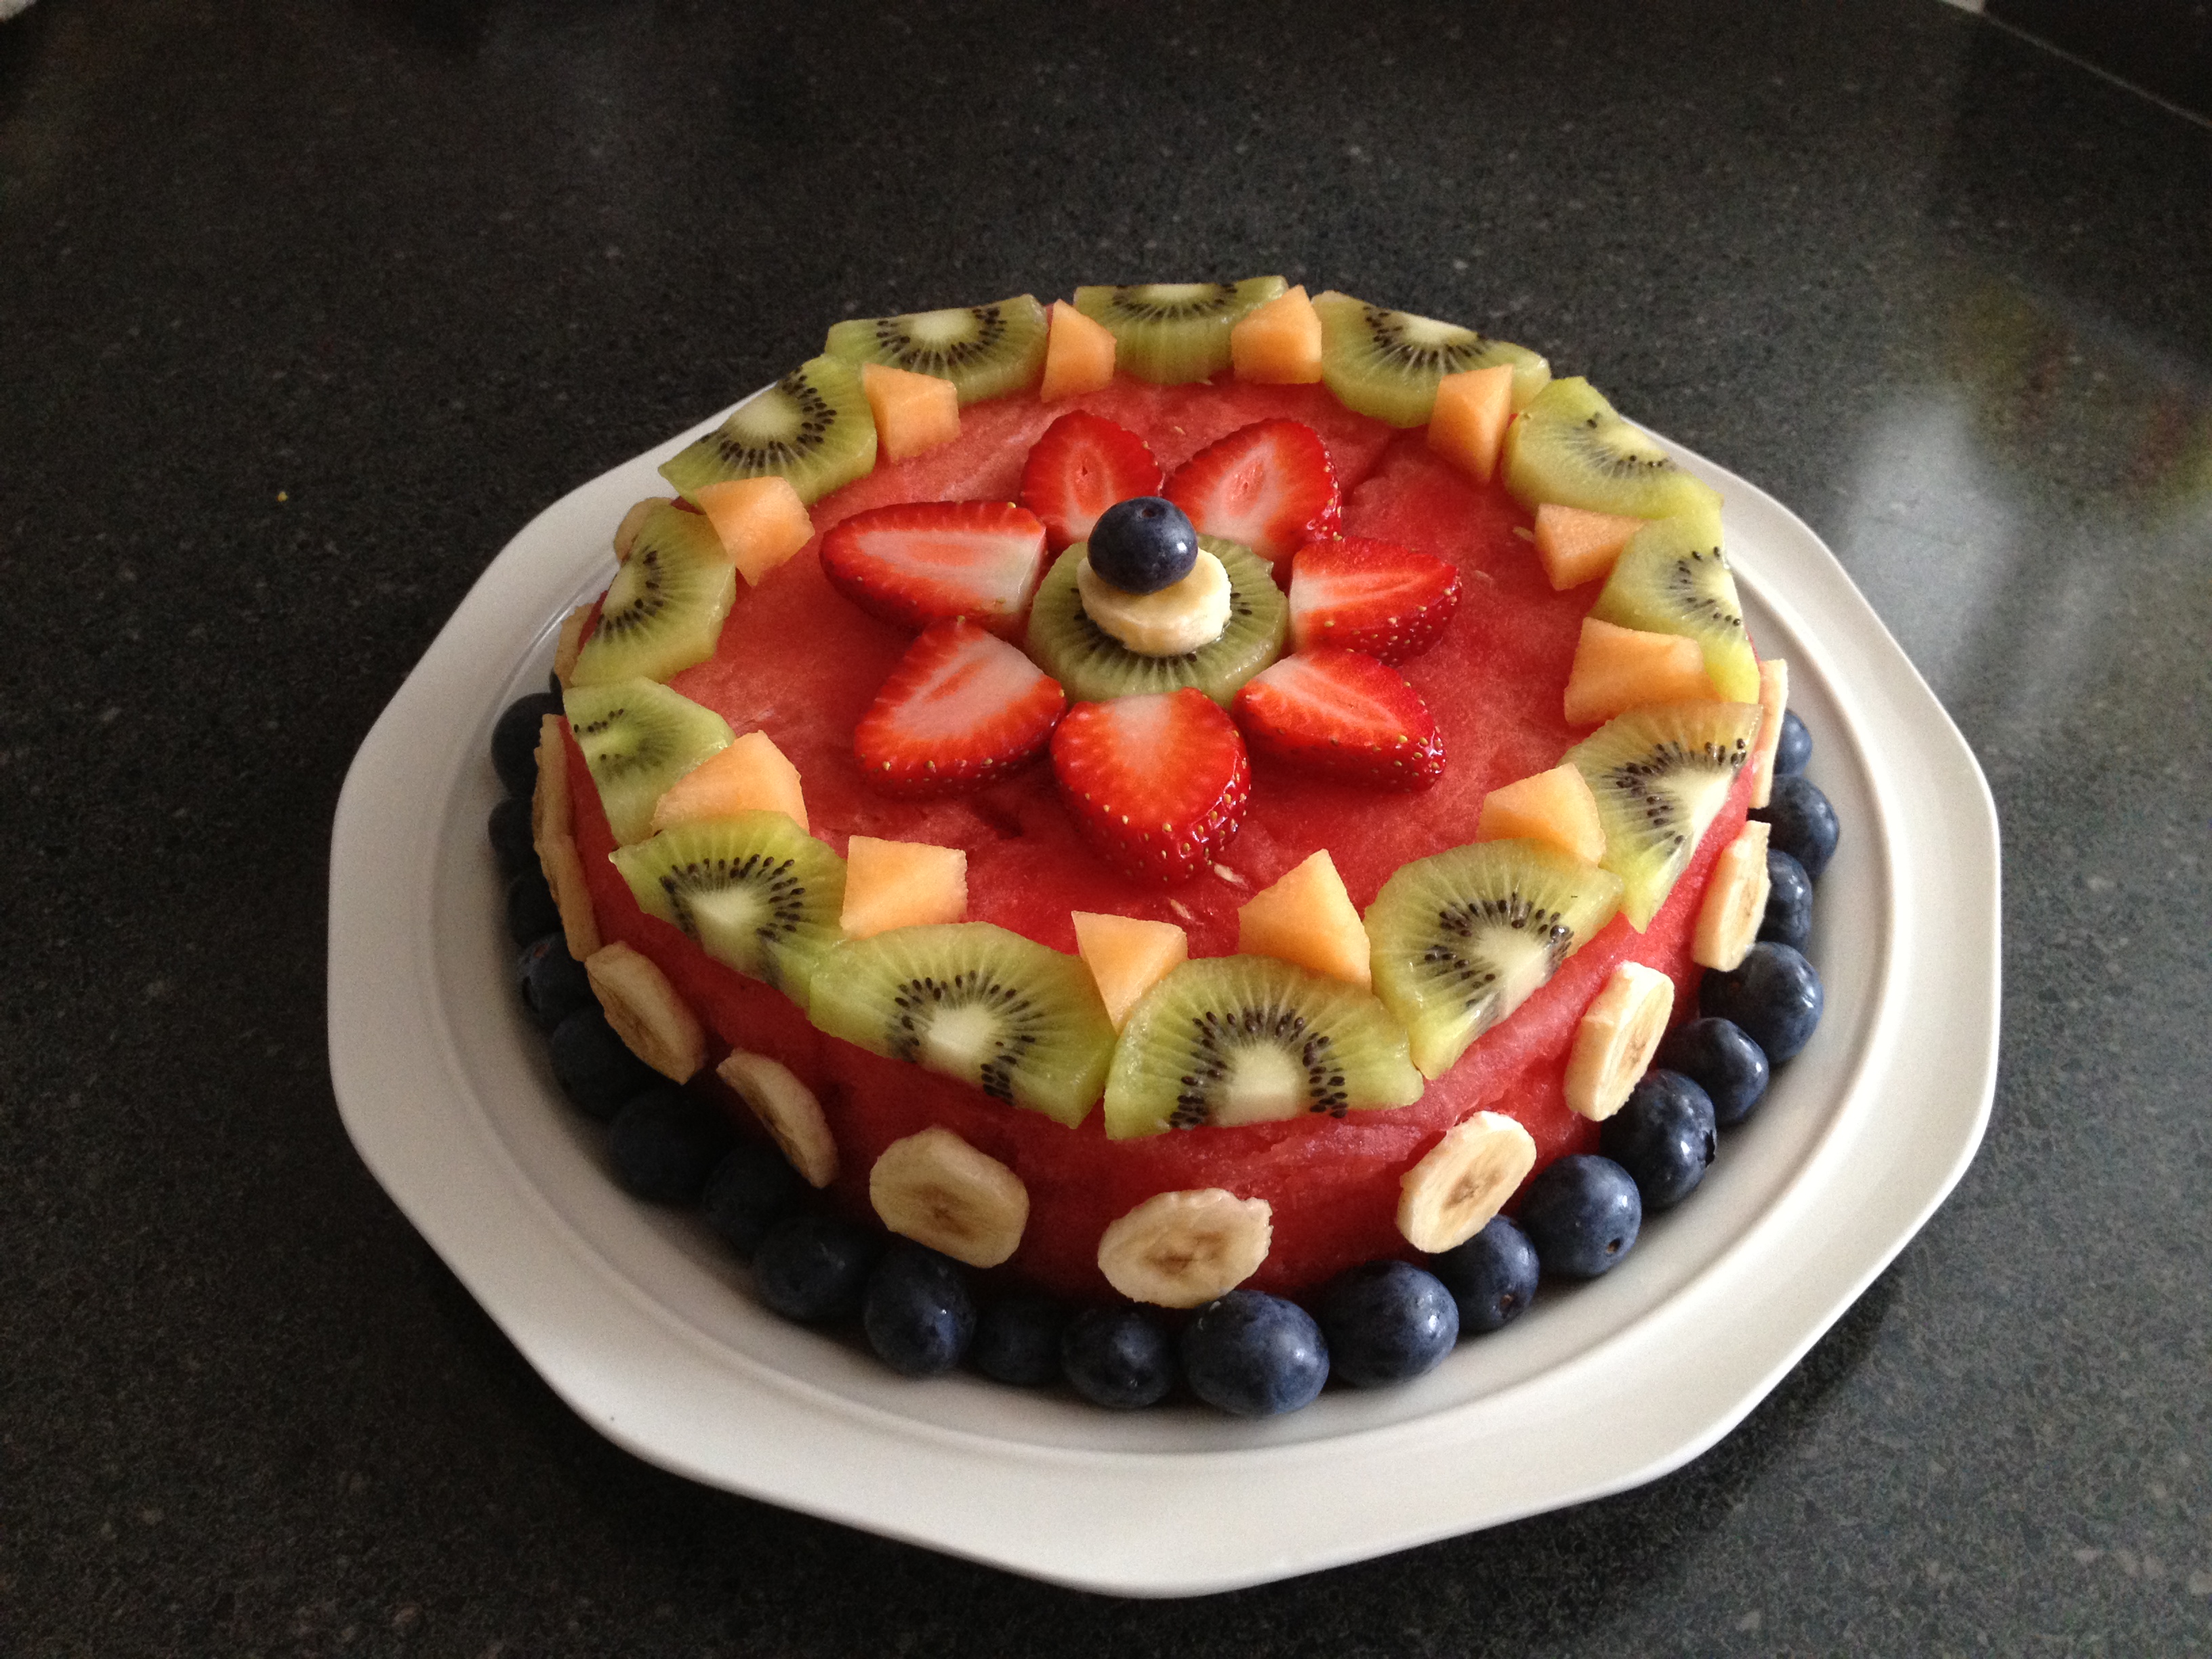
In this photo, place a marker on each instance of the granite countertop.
(305, 310)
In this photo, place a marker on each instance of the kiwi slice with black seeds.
(813, 426)
(1672, 578)
(986, 351)
(1660, 775)
(638, 738)
(1571, 447)
(1464, 938)
(1020, 1021)
(1171, 333)
(664, 610)
(1387, 363)
(1092, 665)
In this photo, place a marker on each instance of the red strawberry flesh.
(1157, 783)
(1268, 485)
(961, 708)
(920, 563)
(1376, 597)
(1344, 715)
(1082, 466)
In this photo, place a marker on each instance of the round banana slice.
(1773, 700)
(1179, 617)
(1734, 903)
(1182, 1250)
(645, 1012)
(1464, 1181)
(787, 1110)
(626, 531)
(1620, 1030)
(936, 1189)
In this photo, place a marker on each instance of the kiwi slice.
(1672, 578)
(1464, 938)
(986, 351)
(1232, 1040)
(757, 892)
(1660, 775)
(1172, 333)
(638, 738)
(1571, 447)
(664, 610)
(813, 426)
(1020, 1021)
(1092, 666)
(1387, 363)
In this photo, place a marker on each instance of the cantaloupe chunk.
(1555, 807)
(1308, 918)
(751, 774)
(1078, 354)
(901, 884)
(914, 412)
(1278, 344)
(1578, 545)
(762, 521)
(1467, 424)
(1127, 956)
(1617, 669)
(1773, 703)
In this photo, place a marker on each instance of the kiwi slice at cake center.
(812, 427)
(1571, 447)
(986, 351)
(1171, 333)
(1387, 363)
(1092, 665)
(664, 610)
(638, 738)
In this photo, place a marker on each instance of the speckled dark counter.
(305, 309)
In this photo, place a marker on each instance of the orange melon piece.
(1617, 669)
(1578, 545)
(1127, 956)
(751, 774)
(1078, 354)
(1279, 343)
(914, 412)
(901, 884)
(1555, 807)
(1468, 425)
(1773, 700)
(1309, 919)
(762, 521)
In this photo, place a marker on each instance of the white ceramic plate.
(642, 1323)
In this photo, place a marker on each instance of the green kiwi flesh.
(664, 610)
(638, 738)
(1387, 363)
(755, 890)
(1571, 446)
(1464, 938)
(813, 426)
(1660, 775)
(1171, 333)
(1092, 665)
(1018, 1020)
(986, 351)
(1225, 1040)
(1672, 578)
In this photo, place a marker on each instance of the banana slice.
(570, 643)
(626, 531)
(645, 1012)
(936, 1189)
(787, 1110)
(1621, 1030)
(551, 825)
(1773, 699)
(1464, 1179)
(1179, 617)
(1182, 1250)
(1734, 903)
(550, 811)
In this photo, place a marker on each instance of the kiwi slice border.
(814, 426)
(1571, 446)
(1093, 666)
(1387, 363)
(1001, 352)
(629, 775)
(1173, 333)
(663, 611)
(1674, 578)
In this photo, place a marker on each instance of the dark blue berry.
(1795, 747)
(1724, 1062)
(514, 741)
(593, 1067)
(1804, 825)
(814, 1268)
(1254, 1355)
(751, 1190)
(1582, 1214)
(1120, 1358)
(1663, 1136)
(1387, 1322)
(1017, 1340)
(531, 910)
(1773, 994)
(664, 1143)
(1143, 544)
(918, 1312)
(1492, 1276)
(512, 840)
(1789, 918)
(552, 982)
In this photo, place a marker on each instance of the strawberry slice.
(1081, 467)
(1376, 597)
(1344, 715)
(961, 708)
(920, 563)
(1268, 485)
(1157, 783)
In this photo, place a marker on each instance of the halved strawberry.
(1345, 715)
(919, 562)
(1268, 485)
(1081, 467)
(961, 708)
(1157, 783)
(1376, 597)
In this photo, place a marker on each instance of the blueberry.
(552, 982)
(1143, 544)
(752, 1188)
(1773, 994)
(514, 741)
(1017, 1340)
(813, 1267)
(1254, 1355)
(1582, 1214)
(664, 1143)
(1804, 823)
(1663, 1136)
(593, 1067)
(917, 1311)
(1795, 747)
(531, 910)
(1120, 1358)
(512, 840)
(1387, 1322)
(1492, 1277)
(1724, 1061)
(1789, 918)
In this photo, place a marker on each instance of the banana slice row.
(787, 1110)
(936, 1189)
(1182, 1250)
(1464, 1181)
(1734, 903)
(645, 1012)
(1619, 1032)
